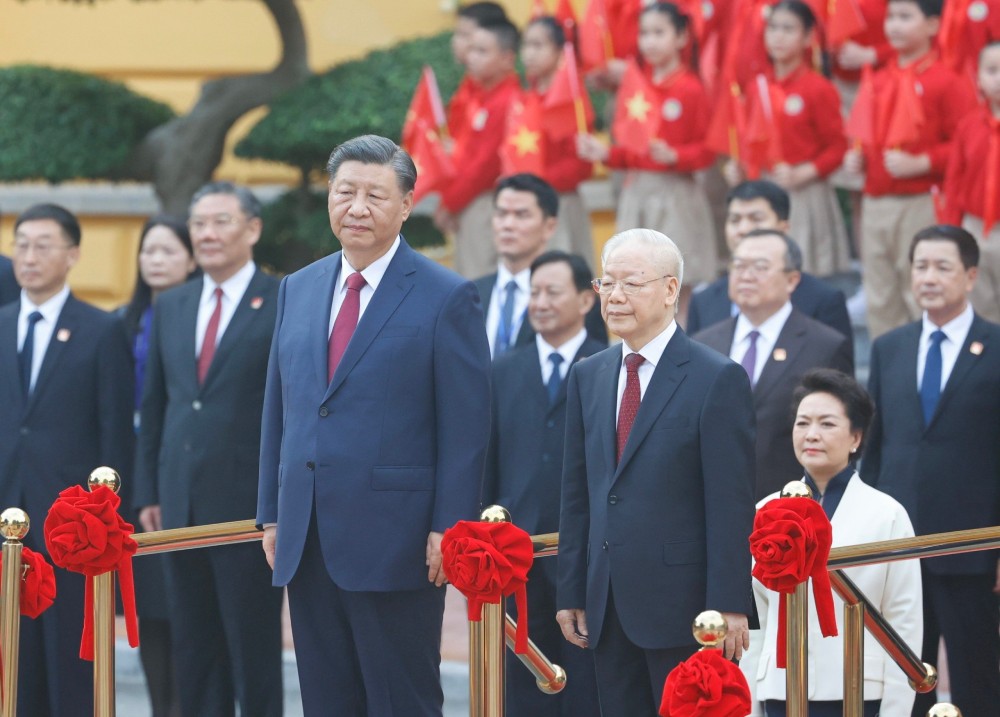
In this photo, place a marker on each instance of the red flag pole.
(437, 105)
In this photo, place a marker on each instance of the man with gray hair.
(657, 506)
(376, 420)
(198, 459)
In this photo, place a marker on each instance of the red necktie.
(347, 321)
(630, 400)
(211, 333)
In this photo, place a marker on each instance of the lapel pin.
(976, 348)
(63, 335)
(256, 302)
(780, 354)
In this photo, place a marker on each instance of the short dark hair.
(373, 149)
(582, 275)
(968, 247)
(770, 192)
(929, 8)
(548, 199)
(505, 32)
(799, 9)
(60, 215)
(669, 10)
(793, 252)
(858, 405)
(482, 13)
(554, 28)
(249, 204)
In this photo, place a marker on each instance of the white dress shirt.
(652, 353)
(373, 276)
(769, 332)
(955, 333)
(499, 297)
(568, 352)
(233, 290)
(50, 311)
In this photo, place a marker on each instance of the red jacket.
(564, 170)
(965, 180)
(873, 12)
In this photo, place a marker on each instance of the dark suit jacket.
(813, 297)
(946, 474)
(667, 527)
(524, 460)
(807, 344)
(9, 290)
(199, 445)
(594, 322)
(393, 447)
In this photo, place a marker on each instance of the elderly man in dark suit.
(760, 204)
(657, 494)
(65, 409)
(775, 343)
(198, 459)
(935, 447)
(9, 290)
(524, 466)
(525, 216)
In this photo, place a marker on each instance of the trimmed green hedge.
(59, 125)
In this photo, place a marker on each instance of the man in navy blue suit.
(657, 490)
(761, 204)
(9, 289)
(935, 447)
(376, 421)
(66, 405)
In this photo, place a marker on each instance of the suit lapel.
(607, 380)
(185, 334)
(395, 285)
(905, 372)
(9, 360)
(963, 365)
(238, 324)
(323, 287)
(589, 348)
(62, 335)
(790, 343)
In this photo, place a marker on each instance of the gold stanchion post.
(104, 616)
(710, 629)
(854, 659)
(14, 526)
(486, 647)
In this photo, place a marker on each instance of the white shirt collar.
(49, 309)
(373, 273)
(233, 288)
(955, 330)
(523, 279)
(568, 350)
(653, 350)
(769, 329)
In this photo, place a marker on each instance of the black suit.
(594, 322)
(803, 344)
(79, 417)
(947, 476)
(647, 543)
(523, 474)
(813, 297)
(198, 460)
(9, 290)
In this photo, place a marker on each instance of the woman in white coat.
(832, 412)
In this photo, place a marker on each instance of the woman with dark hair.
(166, 260)
(832, 412)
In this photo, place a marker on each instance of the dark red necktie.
(630, 400)
(347, 321)
(211, 334)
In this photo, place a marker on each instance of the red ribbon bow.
(85, 534)
(38, 584)
(486, 561)
(705, 685)
(790, 543)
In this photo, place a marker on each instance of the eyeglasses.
(606, 287)
(220, 222)
(758, 268)
(42, 249)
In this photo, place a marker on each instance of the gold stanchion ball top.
(928, 683)
(709, 628)
(556, 684)
(944, 709)
(796, 489)
(14, 524)
(495, 514)
(108, 477)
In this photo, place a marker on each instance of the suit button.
(605, 546)
(25, 430)
(324, 411)
(310, 465)
(613, 499)
(196, 405)
(551, 424)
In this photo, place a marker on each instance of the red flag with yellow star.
(522, 148)
(567, 108)
(636, 118)
(426, 106)
(425, 121)
(594, 37)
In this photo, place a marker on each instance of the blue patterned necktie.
(930, 386)
(749, 362)
(28, 351)
(555, 378)
(505, 328)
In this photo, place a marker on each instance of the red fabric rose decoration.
(705, 685)
(85, 534)
(38, 586)
(790, 543)
(486, 561)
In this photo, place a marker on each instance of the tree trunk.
(180, 156)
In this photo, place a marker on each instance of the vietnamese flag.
(901, 113)
(426, 106)
(594, 37)
(566, 16)
(860, 125)
(726, 129)
(522, 148)
(434, 166)
(843, 21)
(954, 18)
(566, 110)
(637, 112)
(763, 133)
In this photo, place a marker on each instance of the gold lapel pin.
(256, 302)
(780, 354)
(63, 335)
(976, 348)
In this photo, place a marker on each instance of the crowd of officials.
(351, 406)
